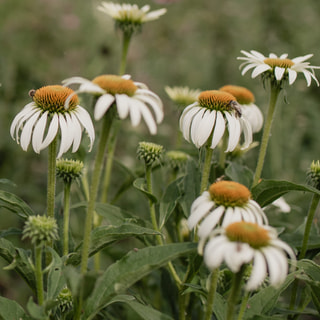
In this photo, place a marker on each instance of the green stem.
(125, 46)
(243, 306)
(66, 218)
(51, 184)
(312, 210)
(106, 124)
(212, 293)
(38, 273)
(275, 90)
(234, 294)
(206, 169)
(223, 154)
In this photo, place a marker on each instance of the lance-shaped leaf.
(13, 203)
(10, 309)
(131, 268)
(267, 191)
(140, 184)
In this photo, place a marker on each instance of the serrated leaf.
(13, 203)
(19, 261)
(10, 309)
(169, 201)
(140, 184)
(267, 191)
(131, 268)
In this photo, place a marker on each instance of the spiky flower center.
(216, 100)
(242, 94)
(177, 159)
(53, 98)
(229, 194)
(69, 170)
(115, 84)
(251, 233)
(277, 62)
(313, 174)
(149, 152)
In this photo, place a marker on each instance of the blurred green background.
(194, 44)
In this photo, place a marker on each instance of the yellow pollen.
(116, 85)
(216, 100)
(248, 232)
(229, 193)
(277, 62)
(242, 94)
(53, 98)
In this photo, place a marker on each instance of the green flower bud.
(313, 175)
(149, 152)
(65, 300)
(41, 230)
(69, 170)
(177, 159)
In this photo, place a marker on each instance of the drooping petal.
(135, 112)
(258, 273)
(38, 132)
(238, 255)
(214, 251)
(66, 129)
(196, 123)
(122, 105)
(26, 132)
(260, 69)
(247, 132)
(102, 105)
(205, 128)
(279, 72)
(218, 129)
(148, 118)
(52, 131)
(234, 131)
(186, 119)
(77, 132)
(292, 76)
(200, 212)
(228, 216)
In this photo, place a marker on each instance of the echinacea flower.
(130, 16)
(249, 109)
(206, 119)
(132, 99)
(225, 202)
(279, 68)
(241, 243)
(182, 96)
(313, 175)
(40, 120)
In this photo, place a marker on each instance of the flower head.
(69, 170)
(132, 99)
(205, 120)
(249, 110)
(182, 96)
(149, 152)
(64, 299)
(129, 17)
(48, 112)
(41, 229)
(278, 68)
(313, 175)
(225, 202)
(241, 243)
(177, 159)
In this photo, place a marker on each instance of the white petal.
(66, 134)
(85, 120)
(135, 112)
(102, 105)
(237, 216)
(260, 69)
(210, 222)
(234, 132)
(26, 132)
(218, 130)
(196, 123)
(204, 197)
(38, 132)
(248, 67)
(205, 128)
(201, 211)
(123, 105)
(279, 72)
(258, 273)
(148, 118)
(77, 132)
(301, 59)
(247, 132)
(52, 131)
(228, 216)
(186, 119)
(215, 250)
(238, 255)
(292, 76)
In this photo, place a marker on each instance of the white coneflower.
(132, 99)
(280, 68)
(40, 120)
(241, 243)
(225, 202)
(249, 109)
(182, 96)
(206, 120)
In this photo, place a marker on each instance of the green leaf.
(140, 184)
(19, 261)
(37, 312)
(131, 268)
(169, 201)
(10, 309)
(266, 191)
(239, 173)
(13, 203)
(220, 307)
(104, 235)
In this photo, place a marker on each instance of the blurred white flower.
(132, 99)
(206, 119)
(280, 68)
(182, 96)
(40, 120)
(249, 110)
(241, 243)
(282, 205)
(225, 202)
